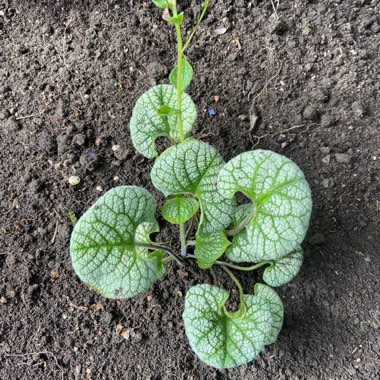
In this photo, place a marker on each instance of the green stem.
(242, 224)
(237, 267)
(159, 247)
(205, 6)
(182, 236)
(179, 73)
(167, 259)
(236, 281)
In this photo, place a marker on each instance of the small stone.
(3, 300)
(284, 144)
(358, 109)
(216, 98)
(243, 117)
(324, 150)
(310, 113)
(116, 178)
(136, 335)
(326, 160)
(156, 70)
(126, 334)
(328, 182)
(99, 188)
(317, 239)
(115, 147)
(342, 158)
(54, 274)
(74, 180)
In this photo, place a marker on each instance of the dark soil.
(70, 73)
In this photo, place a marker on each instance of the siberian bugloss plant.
(111, 247)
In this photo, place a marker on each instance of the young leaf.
(276, 309)
(208, 248)
(146, 125)
(283, 270)
(175, 19)
(167, 111)
(281, 200)
(178, 210)
(104, 243)
(219, 339)
(163, 3)
(192, 167)
(187, 75)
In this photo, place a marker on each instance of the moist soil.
(302, 81)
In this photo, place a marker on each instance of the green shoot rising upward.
(111, 246)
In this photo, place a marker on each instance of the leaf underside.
(104, 247)
(219, 340)
(146, 125)
(192, 167)
(281, 202)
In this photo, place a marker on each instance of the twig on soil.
(258, 138)
(55, 233)
(27, 116)
(267, 83)
(274, 8)
(40, 353)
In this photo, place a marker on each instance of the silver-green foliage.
(147, 125)
(105, 243)
(111, 247)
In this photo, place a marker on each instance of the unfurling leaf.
(146, 125)
(283, 270)
(105, 247)
(192, 167)
(219, 338)
(276, 309)
(187, 75)
(208, 248)
(281, 204)
(178, 210)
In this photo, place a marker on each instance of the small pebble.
(116, 179)
(99, 188)
(342, 158)
(74, 180)
(54, 274)
(115, 147)
(326, 160)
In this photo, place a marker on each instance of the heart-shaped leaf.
(276, 309)
(217, 337)
(192, 167)
(187, 75)
(178, 210)
(105, 247)
(147, 125)
(284, 269)
(208, 248)
(281, 203)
